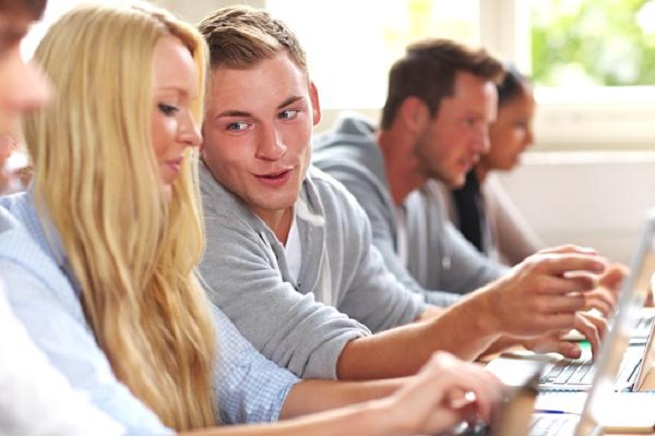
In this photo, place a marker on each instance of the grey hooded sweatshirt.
(344, 290)
(438, 256)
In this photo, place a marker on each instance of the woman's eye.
(167, 109)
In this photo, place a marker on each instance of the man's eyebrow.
(233, 113)
(289, 101)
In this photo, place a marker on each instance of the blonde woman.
(113, 238)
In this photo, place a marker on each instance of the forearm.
(463, 329)
(368, 418)
(311, 396)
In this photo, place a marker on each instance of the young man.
(441, 99)
(289, 256)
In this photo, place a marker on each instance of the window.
(591, 43)
(351, 44)
(592, 63)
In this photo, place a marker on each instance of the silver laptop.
(602, 398)
(578, 375)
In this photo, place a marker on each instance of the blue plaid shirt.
(249, 388)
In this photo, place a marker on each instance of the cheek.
(163, 136)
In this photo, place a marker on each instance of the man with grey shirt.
(441, 99)
(418, 243)
(289, 256)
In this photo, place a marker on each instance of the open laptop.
(601, 402)
(578, 375)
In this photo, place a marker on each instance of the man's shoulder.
(220, 207)
(335, 198)
(351, 143)
(325, 185)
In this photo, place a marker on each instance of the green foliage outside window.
(591, 42)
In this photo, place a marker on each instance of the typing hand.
(605, 296)
(446, 391)
(544, 292)
(592, 327)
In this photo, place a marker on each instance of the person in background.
(14, 166)
(481, 209)
(110, 238)
(36, 399)
(449, 89)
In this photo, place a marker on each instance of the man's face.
(22, 86)
(257, 132)
(452, 141)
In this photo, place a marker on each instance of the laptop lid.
(633, 360)
(631, 300)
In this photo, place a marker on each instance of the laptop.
(631, 360)
(604, 409)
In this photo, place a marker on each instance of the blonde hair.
(132, 252)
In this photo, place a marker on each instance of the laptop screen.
(631, 300)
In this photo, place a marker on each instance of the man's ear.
(316, 105)
(413, 113)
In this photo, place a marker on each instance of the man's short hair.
(241, 36)
(428, 70)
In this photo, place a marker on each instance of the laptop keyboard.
(581, 371)
(645, 322)
(546, 425)
(572, 372)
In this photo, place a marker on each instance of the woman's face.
(175, 86)
(6, 148)
(511, 134)
(23, 87)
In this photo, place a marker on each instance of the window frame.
(597, 118)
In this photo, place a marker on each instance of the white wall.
(591, 198)
(195, 10)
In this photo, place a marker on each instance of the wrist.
(382, 418)
(484, 312)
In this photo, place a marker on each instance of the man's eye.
(289, 114)
(237, 127)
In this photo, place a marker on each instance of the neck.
(400, 165)
(278, 221)
(481, 170)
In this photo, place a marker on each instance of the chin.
(453, 182)
(167, 192)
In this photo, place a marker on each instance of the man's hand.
(542, 294)
(591, 326)
(605, 296)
